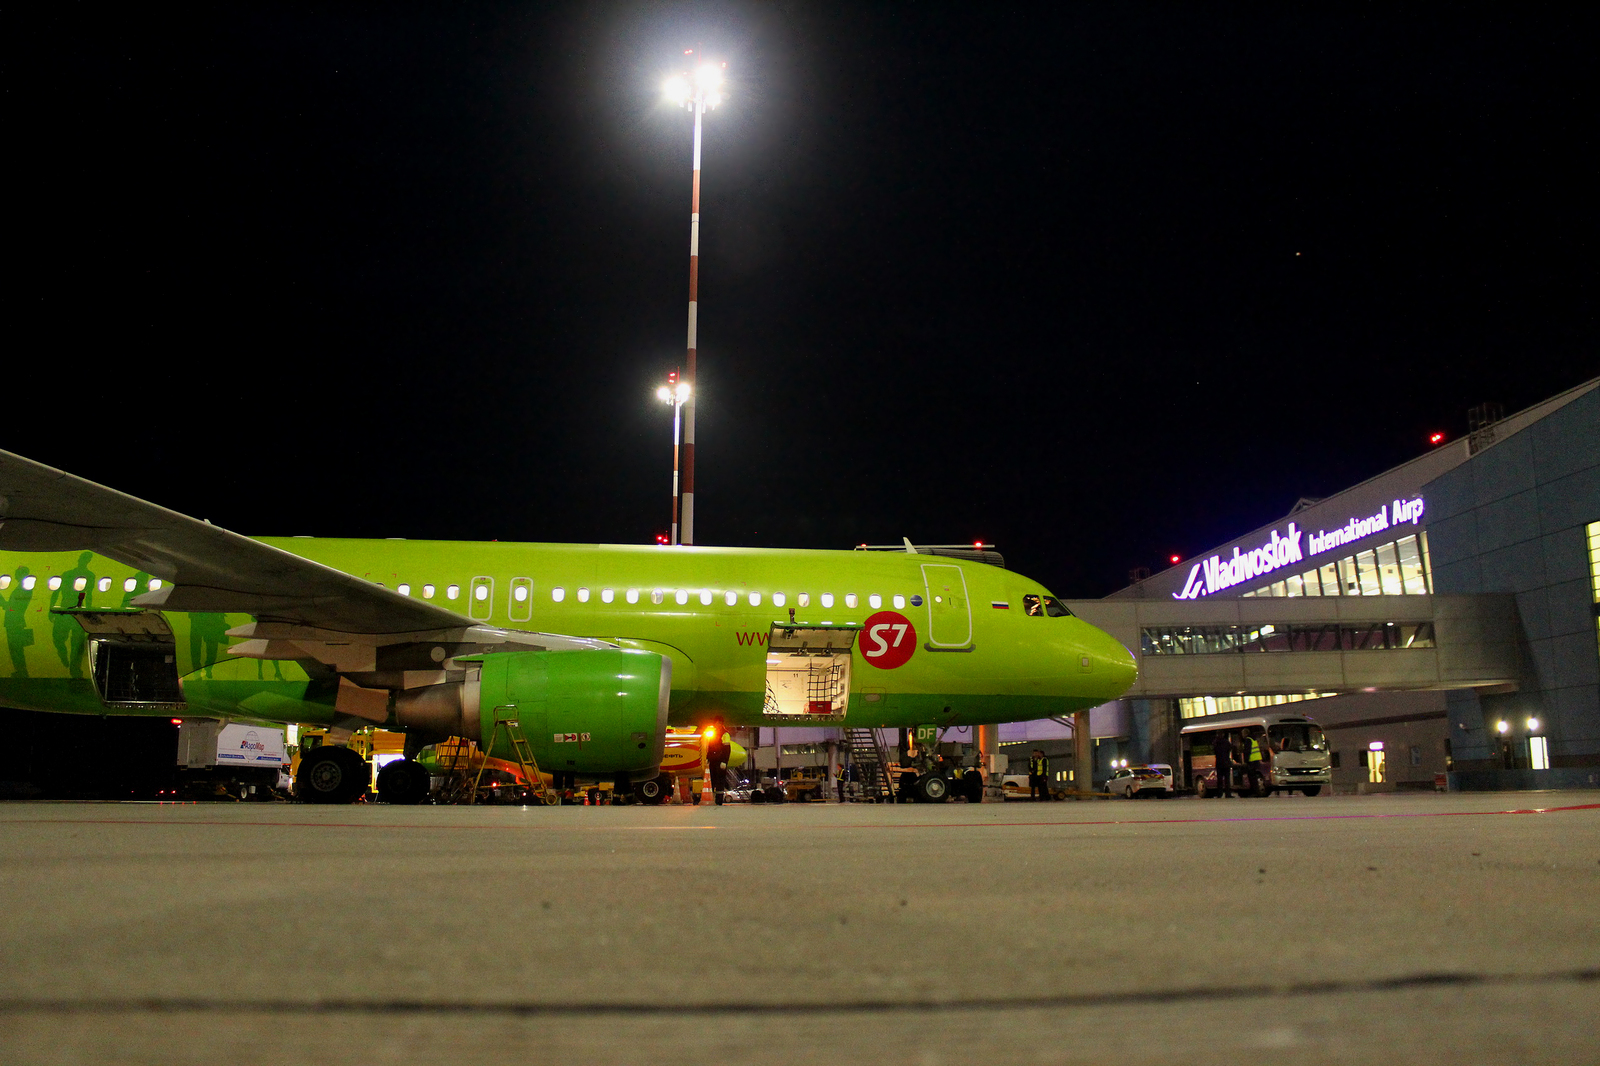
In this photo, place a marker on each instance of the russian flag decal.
(1000, 605)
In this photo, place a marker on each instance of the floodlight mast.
(699, 92)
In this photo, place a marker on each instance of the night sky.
(1094, 282)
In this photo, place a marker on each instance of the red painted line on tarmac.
(873, 825)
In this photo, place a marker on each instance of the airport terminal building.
(1441, 618)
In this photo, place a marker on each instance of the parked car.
(1130, 782)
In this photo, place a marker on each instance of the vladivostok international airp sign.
(887, 640)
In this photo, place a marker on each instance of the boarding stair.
(867, 754)
(523, 752)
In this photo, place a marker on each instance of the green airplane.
(118, 606)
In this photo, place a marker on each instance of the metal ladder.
(453, 760)
(868, 754)
(524, 753)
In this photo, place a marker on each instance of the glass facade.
(1397, 568)
(1593, 531)
(1204, 706)
(1287, 637)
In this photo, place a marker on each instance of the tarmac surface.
(1386, 928)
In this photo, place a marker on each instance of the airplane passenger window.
(777, 599)
(583, 595)
(705, 597)
(80, 584)
(657, 595)
(682, 596)
(731, 598)
(899, 603)
(804, 599)
(427, 592)
(5, 581)
(452, 591)
(29, 581)
(519, 593)
(850, 599)
(827, 599)
(607, 595)
(54, 583)
(633, 596)
(153, 584)
(558, 594)
(404, 590)
(104, 584)
(127, 586)
(755, 599)
(874, 601)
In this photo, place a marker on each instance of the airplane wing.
(206, 567)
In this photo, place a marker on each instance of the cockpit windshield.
(1044, 606)
(1297, 736)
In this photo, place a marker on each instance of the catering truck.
(229, 759)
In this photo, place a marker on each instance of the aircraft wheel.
(933, 789)
(653, 791)
(972, 786)
(403, 782)
(1311, 790)
(330, 774)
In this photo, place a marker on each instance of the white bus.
(1296, 761)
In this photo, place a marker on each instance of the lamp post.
(676, 393)
(698, 92)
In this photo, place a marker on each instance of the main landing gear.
(331, 774)
(404, 782)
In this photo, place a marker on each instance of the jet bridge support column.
(988, 754)
(1082, 754)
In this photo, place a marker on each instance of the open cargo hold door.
(132, 655)
(808, 669)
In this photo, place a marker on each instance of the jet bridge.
(1284, 645)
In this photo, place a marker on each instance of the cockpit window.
(1044, 606)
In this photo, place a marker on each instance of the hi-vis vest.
(1255, 750)
(1038, 766)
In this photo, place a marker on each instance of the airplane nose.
(1113, 665)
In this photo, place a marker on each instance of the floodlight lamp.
(683, 391)
(1533, 724)
(676, 90)
(664, 394)
(708, 77)
(1502, 726)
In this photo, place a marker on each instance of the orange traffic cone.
(707, 796)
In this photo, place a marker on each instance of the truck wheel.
(1200, 789)
(933, 789)
(330, 774)
(403, 782)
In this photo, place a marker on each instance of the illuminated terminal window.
(1398, 568)
(1205, 706)
(1284, 637)
(1593, 530)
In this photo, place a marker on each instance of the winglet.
(911, 549)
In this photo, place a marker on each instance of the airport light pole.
(676, 393)
(698, 92)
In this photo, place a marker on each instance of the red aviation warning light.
(1436, 438)
(661, 538)
(1174, 559)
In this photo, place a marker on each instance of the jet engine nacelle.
(585, 712)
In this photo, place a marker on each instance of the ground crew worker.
(1223, 748)
(1255, 759)
(719, 749)
(1038, 776)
